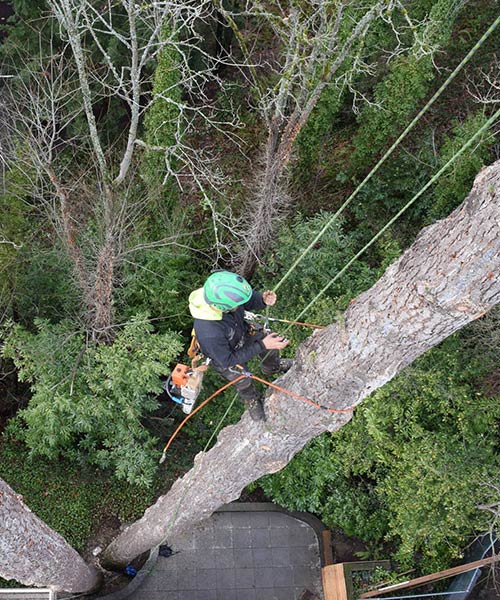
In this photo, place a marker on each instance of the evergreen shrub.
(327, 257)
(159, 282)
(411, 467)
(161, 123)
(455, 184)
(400, 93)
(88, 399)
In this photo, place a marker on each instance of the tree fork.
(446, 279)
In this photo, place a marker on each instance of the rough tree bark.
(34, 554)
(446, 279)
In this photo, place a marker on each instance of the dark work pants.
(246, 387)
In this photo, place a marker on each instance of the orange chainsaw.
(183, 386)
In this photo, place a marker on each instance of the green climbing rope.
(478, 133)
(450, 78)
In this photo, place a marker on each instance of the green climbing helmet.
(226, 290)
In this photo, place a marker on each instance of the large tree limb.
(42, 556)
(446, 279)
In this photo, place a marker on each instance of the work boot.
(281, 365)
(285, 364)
(256, 410)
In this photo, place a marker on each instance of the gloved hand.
(274, 341)
(269, 297)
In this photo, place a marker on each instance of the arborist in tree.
(227, 339)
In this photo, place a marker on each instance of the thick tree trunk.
(34, 554)
(446, 279)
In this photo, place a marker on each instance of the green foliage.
(14, 210)
(318, 127)
(71, 500)
(225, 409)
(455, 184)
(398, 95)
(88, 399)
(26, 9)
(162, 124)
(428, 440)
(159, 282)
(364, 581)
(34, 281)
(388, 191)
(409, 466)
(300, 487)
(45, 287)
(14, 228)
(325, 118)
(317, 268)
(432, 494)
(314, 482)
(405, 174)
(389, 251)
(26, 27)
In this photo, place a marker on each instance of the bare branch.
(484, 85)
(313, 56)
(68, 83)
(10, 243)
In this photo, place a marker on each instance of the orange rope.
(296, 396)
(268, 383)
(224, 387)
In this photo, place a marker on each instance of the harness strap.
(194, 352)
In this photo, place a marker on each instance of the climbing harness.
(184, 384)
(194, 350)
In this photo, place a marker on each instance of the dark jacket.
(226, 340)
